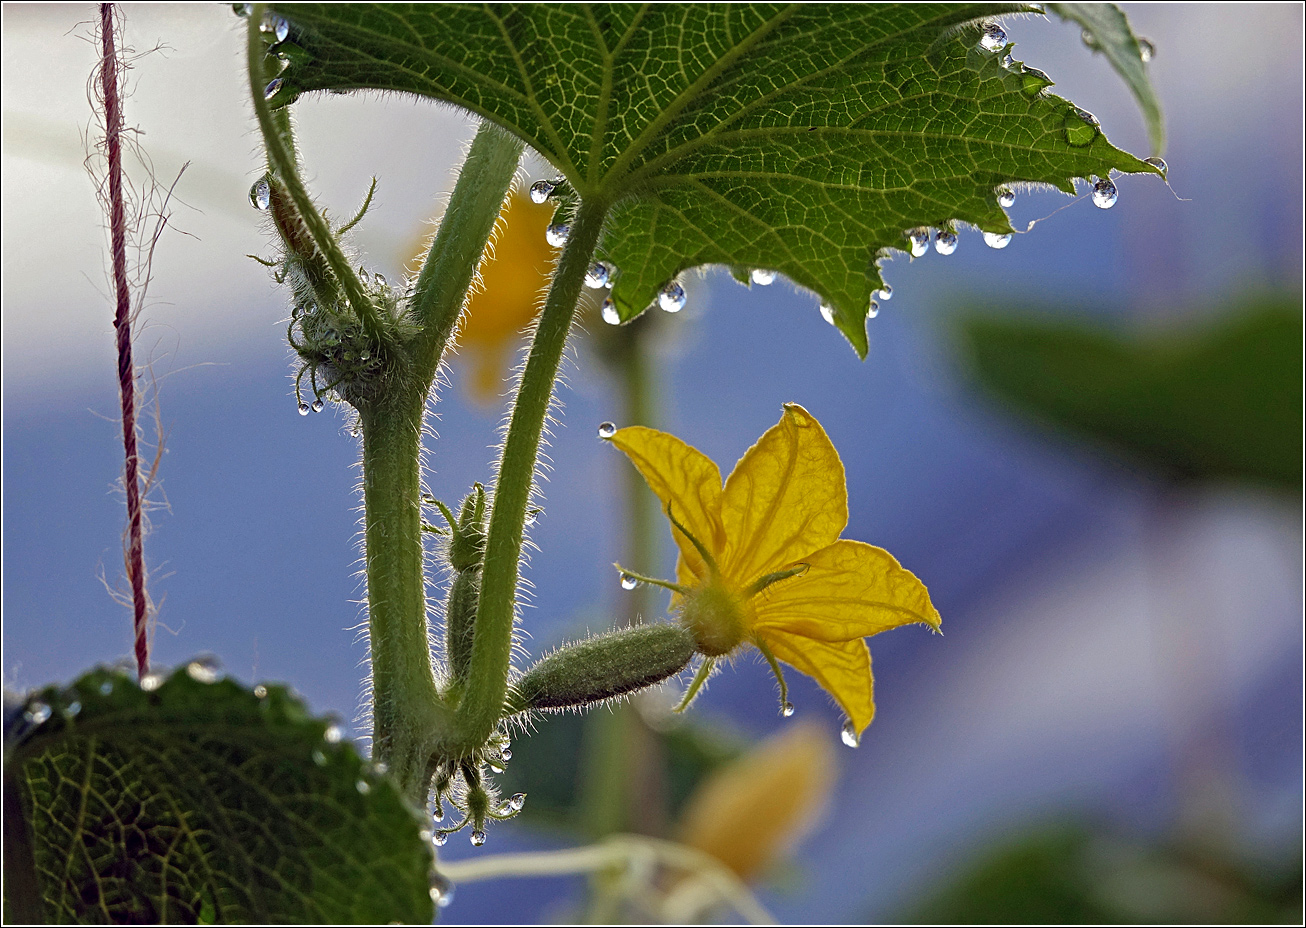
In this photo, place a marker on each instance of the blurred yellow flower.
(514, 273)
(747, 813)
(761, 561)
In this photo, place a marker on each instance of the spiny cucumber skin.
(605, 667)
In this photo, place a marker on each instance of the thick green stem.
(407, 712)
(483, 703)
(449, 267)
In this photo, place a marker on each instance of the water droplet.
(1089, 40)
(279, 28)
(1006, 197)
(532, 516)
(672, 297)
(441, 890)
(884, 293)
(437, 814)
(72, 708)
(1159, 164)
(1105, 193)
(440, 839)
(609, 312)
(541, 190)
(260, 195)
(318, 406)
(261, 691)
(380, 768)
(1008, 61)
(993, 37)
(494, 764)
(873, 310)
(506, 754)
(997, 240)
(1146, 49)
(303, 409)
(151, 682)
(1081, 127)
(319, 758)
(787, 710)
(271, 89)
(556, 234)
(203, 670)
(849, 735)
(333, 734)
(945, 242)
(38, 712)
(364, 787)
(607, 430)
(827, 313)
(628, 582)
(478, 838)
(106, 687)
(920, 242)
(596, 278)
(517, 801)
(761, 276)
(242, 9)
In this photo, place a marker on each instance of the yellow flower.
(761, 561)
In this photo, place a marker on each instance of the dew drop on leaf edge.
(920, 242)
(607, 430)
(945, 242)
(203, 669)
(38, 712)
(1105, 193)
(1081, 127)
(1159, 164)
(271, 89)
(849, 735)
(992, 37)
(1146, 49)
(872, 310)
(671, 298)
(997, 239)
(609, 312)
(884, 293)
(596, 278)
(1006, 197)
(827, 313)
(761, 276)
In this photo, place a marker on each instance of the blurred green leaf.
(805, 138)
(1072, 873)
(201, 802)
(1109, 29)
(1222, 401)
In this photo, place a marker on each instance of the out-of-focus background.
(1111, 729)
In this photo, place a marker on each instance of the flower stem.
(447, 271)
(483, 702)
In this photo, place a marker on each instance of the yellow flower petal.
(686, 479)
(842, 668)
(850, 590)
(785, 499)
(748, 812)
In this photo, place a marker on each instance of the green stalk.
(449, 267)
(281, 157)
(483, 703)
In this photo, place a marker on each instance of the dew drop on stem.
(303, 409)
(556, 234)
(478, 838)
(260, 195)
(541, 190)
(517, 802)
(787, 710)
(628, 582)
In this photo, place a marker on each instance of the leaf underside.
(804, 138)
(204, 803)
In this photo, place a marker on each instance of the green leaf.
(1217, 402)
(805, 138)
(1108, 27)
(205, 802)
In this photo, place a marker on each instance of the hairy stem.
(483, 702)
(122, 324)
(449, 266)
(281, 156)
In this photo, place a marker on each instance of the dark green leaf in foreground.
(1218, 402)
(804, 138)
(1108, 28)
(205, 802)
